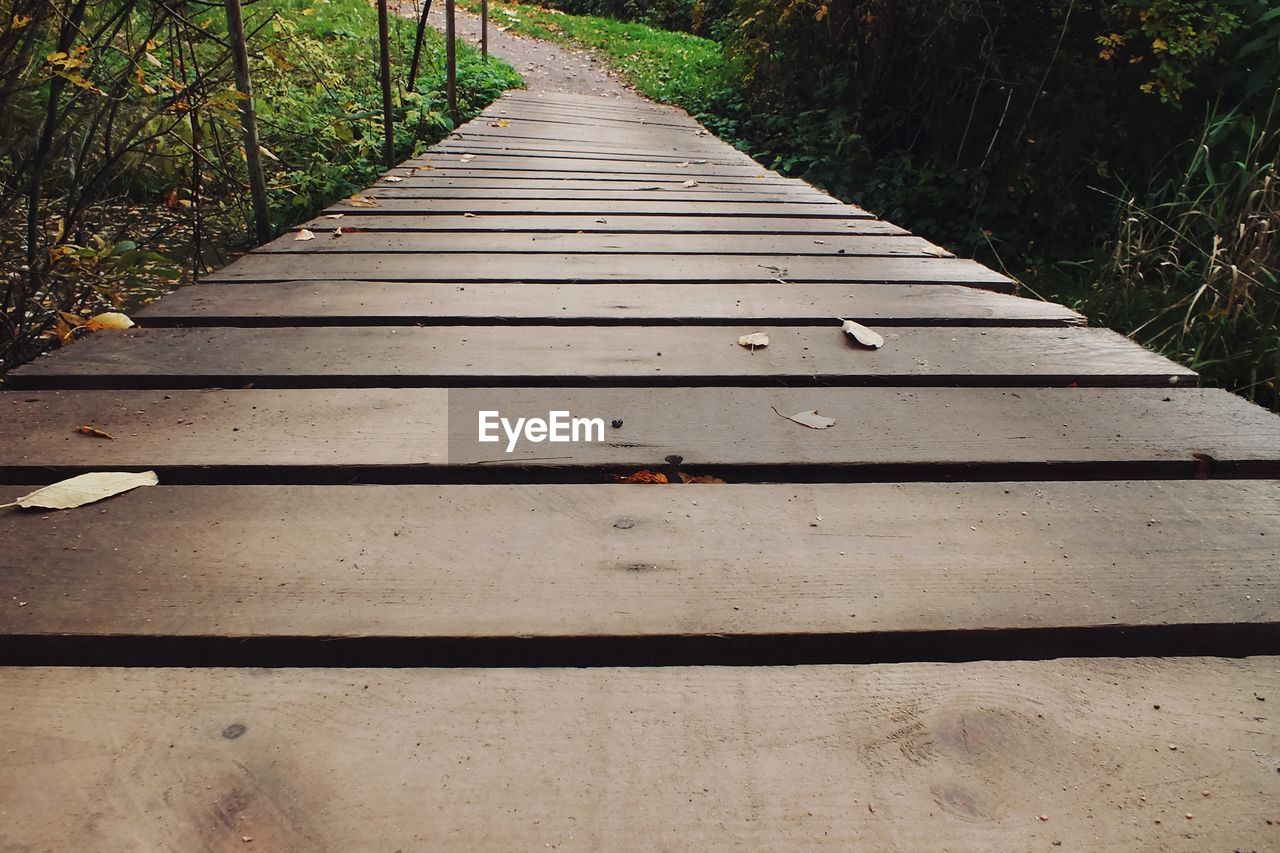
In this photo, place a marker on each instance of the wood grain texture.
(735, 560)
(566, 267)
(576, 165)
(602, 207)
(390, 303)
(905, 757)
(879, 429)
(384, 242)
(381, 219)
(650, 193)
(394, 357)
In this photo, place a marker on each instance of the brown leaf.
(108, 320)
(700, 478)
(94, 431)
(642, 476)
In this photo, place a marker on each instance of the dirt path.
(545, 66)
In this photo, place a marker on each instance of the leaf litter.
(810, 419)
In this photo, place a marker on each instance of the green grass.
(671, 67)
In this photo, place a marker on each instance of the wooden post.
(249, 122)
(417, 44)
(484, 30)
(388, 123)
(451, 60)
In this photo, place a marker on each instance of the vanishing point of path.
(1020, 593)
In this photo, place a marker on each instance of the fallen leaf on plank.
(753, 340)
(334, 215)
(84, 489)
(393, 179)
(700, 478)
(362, 201)
(108, 320)
(642, 476)
(467, 158)
(810, 419)
(304, 234)
(690, 184)
(469, 215)
(861, 334)
(502, 122)
(94, 431)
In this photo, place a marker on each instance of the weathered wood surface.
(384, 242)
(748, 560)
(604, 207)
(398, 303)
(1059, 539)
(1104, 754)
(376, 219)
(879, 432)
(328, 356)
(621, 267)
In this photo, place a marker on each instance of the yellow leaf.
(821, 13)
(109, 320)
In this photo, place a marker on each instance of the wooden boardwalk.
(1023, 593)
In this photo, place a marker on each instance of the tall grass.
(1193, 268)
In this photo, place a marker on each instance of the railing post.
(249, 122)
(484, 30)
(417, 44)
(451, 60)
(388, 126)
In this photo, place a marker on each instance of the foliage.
(697, 17)
(673, 67)
(121, 160)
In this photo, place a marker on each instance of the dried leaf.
(94, 431)
(334, 215)
(267, 153)
(502, 122)
(700, 478)
(469, 215)
(84, 489)
(337, 232)
(861, 334)
(467, 158)
(753, 340)
(690, 184)
(108, 320)
(304, 234)
(937, 252)
(647, 189)
(811, 419)
(362, 201)
(642, 476)
(393, 179)
(683, 165)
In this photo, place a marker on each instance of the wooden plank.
(370, 219)
(869, 561)
(583, 165)
(519, 119)
(595, 183)
(911, 757)
(535, 149)
(599, 208)
(516, 173)
(386, 243)
(561, 267)
(434, 190)
(282, 435)
(625, 355)
(477, 141)
(391, 303)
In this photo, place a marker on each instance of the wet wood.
(461, 355)
(991, 756)
(879, 432)
(398, 303)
